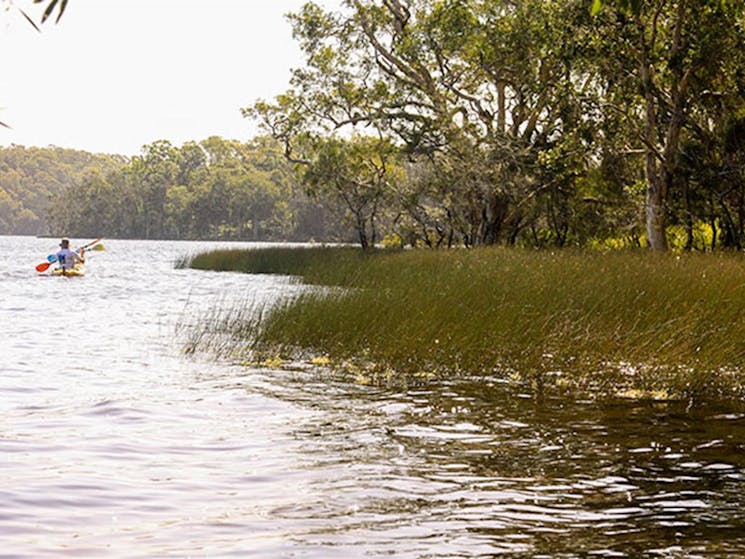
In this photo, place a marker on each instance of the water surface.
(114, 444)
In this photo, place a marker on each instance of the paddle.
(44, 266)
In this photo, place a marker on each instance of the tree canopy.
(31, 177)
(213, 189)
(535, 121)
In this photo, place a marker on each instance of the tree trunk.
(656, 202)
(493, 212)
(362, 231)
(656, 209)
(661, 160)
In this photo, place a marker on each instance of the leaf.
(597, 5)
(31, 21)
(49, 10)
(62, 7)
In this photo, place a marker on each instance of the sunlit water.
(113, 444)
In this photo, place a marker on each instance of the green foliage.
(357, 172)
(460, 122)
(534, 123)
(214, 189)
(31, 178)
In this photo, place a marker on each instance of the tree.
(479, 88)
(673, 53)
(358, 172)
(154, 172)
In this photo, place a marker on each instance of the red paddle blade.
(43, 267)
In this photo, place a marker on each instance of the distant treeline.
(31, 177)
(214, 189)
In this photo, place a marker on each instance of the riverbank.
(632, 324)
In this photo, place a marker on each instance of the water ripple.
(114, 445)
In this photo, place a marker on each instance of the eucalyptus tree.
(667, 60)
(352, 171)
(154, 172)
(477, 89)
(356, 171)
(239, 200)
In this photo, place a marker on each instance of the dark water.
(112, 444)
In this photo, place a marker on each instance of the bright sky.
(114, 75)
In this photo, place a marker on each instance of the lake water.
(113, 444)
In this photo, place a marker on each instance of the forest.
(538, 122)
(442, 123)
(31, 177)
(214, 189)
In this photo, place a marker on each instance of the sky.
(114, 75)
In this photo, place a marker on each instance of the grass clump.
(319, 265)
(624, 322)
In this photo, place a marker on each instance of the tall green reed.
(607, 321)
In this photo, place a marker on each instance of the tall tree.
(357, 172)
(672, 51)
(480, 88)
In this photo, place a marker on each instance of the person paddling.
(67, 258)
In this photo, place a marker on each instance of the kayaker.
(68, 258)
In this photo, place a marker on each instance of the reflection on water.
(470, 468)
(114, 445)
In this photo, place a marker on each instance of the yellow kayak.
(77, 270)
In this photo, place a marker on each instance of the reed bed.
(320, 265)
(629, 323)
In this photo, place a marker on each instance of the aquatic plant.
(629, 323)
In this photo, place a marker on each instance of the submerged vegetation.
(624, 323)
